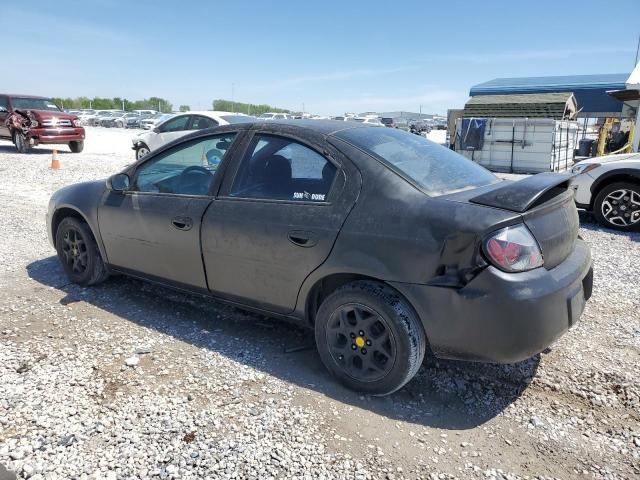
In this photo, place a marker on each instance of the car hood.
(612, 158)
(48, 114)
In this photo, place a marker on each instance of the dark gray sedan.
(383, 242)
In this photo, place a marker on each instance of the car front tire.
(78, 253)
(142, 151)
(369, 337)
(19, 140)
(617, 206)
(76, 147)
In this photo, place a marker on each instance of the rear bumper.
(504, 317)
(56, 135)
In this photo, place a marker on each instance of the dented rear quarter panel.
(396, 233)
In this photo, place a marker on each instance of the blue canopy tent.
(590, 91)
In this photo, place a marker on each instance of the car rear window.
(433, 168)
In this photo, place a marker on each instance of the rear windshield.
(238, 118)
(34, 104)
(435, 169)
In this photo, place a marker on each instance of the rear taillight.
(513, 249)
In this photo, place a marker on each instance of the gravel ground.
(129, 380)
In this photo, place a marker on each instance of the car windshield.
(432, 167)
(21, 103)
(238, 118)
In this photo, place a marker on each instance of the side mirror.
(156, 130)
(118, 182)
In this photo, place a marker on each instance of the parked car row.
(113, 118)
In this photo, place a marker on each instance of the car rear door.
(278, 214)
(153, 229)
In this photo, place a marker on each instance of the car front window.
(187, 169)
(433, 168)
(175, 125)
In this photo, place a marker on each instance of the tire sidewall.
(93, 257)
(76, 146)
(142, 146)
(399, 318)
(602, 194)
(20, 142)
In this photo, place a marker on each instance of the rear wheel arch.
(328, 284)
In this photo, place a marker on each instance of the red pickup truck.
(28, 121)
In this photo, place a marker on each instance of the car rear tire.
(76, 147)
(369, 337)
(78, 253)
(19, 140)
(617, 206)
(142, 151)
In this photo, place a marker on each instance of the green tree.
(248, 108)
(184, 108)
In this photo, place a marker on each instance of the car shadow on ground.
(444, 394)
(589, 222)
(39, 150)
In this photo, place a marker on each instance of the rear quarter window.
(433, 168)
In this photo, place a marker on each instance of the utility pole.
(637, 51)
(233, 103)
(303, 108)
(123, 105)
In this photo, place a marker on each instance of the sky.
(330, 56)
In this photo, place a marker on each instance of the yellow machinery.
(603, 137)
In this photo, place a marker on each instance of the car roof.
(37, 97)
(324, 127)
(211, 113)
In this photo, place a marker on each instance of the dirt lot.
(215, 394)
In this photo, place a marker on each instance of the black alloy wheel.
(360, 342)
(369, 337)
(78, 253)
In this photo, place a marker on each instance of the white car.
(180, 125)
(273, 116)
(609, 187)
(155, 119)
(375, 122)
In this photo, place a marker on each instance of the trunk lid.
(547, 208)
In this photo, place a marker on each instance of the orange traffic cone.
(55, 163)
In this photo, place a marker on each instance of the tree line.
(160, 104)
(248, 108)
(117, 103)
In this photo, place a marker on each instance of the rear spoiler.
(520, 196)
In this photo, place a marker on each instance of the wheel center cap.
(359, 342)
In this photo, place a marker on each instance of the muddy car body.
(29, 121)
(383, 242)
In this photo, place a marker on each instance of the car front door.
(153, 229)
(4, 114)
(276, 219)
(168, 131)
